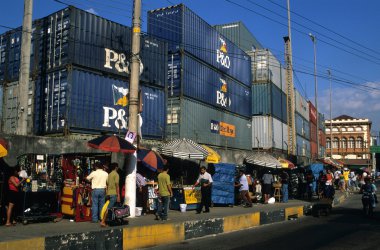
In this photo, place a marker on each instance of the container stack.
(322, 135)
(81, 76)
(302, 129)
(313, 131)
(209, 80)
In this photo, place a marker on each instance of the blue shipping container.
(91, 103)
(185, 30)
(205, 84)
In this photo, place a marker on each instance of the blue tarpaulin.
(223, 190)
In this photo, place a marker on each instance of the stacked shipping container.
(209, 80)
(83, 75)
(302, 128)
(313, 131)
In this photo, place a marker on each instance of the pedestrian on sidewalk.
(165, 191)
(284, 176)
(267, 185)
(98, 180)
(244, 189)
(13, 195)
(205, 181)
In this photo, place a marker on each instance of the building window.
(359, 142)
(351, 142)
(343, 143)
(350, 129)
(336, 143)
(343, 129)
(328, 143)
(358, 129)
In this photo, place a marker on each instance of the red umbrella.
(112, 143)
(150, 159)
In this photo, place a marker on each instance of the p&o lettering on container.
(221, 54)
(119, 60)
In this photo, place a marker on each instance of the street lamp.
(331, 154)
(314, 40)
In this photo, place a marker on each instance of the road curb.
(154, 235)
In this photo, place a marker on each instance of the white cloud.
(91, 10)
(353, 102)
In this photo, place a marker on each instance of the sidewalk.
(144, 231)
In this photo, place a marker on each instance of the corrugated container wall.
(207, 125)
(313, 150)
(303, 147)
(312, 113)
(302, 106)
(269, 132)
(321, 121)
(1, 105)
(302, 126)
(313, 132)
(266, 68)
(77, 37)
(197, 80)
(90, 103)
(268, 99)
(184, 30)
(239, 34)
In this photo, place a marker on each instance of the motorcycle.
(368, 202)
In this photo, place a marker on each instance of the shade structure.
(3, 147)
(112, 143)
(213, 156)
(263, 160)
(286, 163)
(183, 149)
(332, 162)
(150, 159)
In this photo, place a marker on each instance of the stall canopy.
(183, 149)
(286, 163)
(332, 162)
(112, 143)
(213, 156)
(150, 159)
(263, 159)
(3, 148)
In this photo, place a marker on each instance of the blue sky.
(349, 46)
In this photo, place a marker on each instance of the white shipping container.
(269, 132)
(302, 106)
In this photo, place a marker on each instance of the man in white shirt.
(205, 181)
(244, 189)
(98, 180)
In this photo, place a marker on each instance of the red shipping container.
(313, 150)
(312, 113)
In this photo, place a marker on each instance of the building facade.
(348, 139)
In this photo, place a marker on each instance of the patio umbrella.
(3, 148)
(286, 164)
(213, 156)
(112, 143)
(263, 159)
(150, 159)
(183, 149)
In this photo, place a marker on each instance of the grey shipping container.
(321, 121)
(265, 68)
(205, 124)
(11, 108)
(303, 147)
(201, 82)
(302, 106)
(239, 34)
(302, 126)
(268, 99)
(269, 132)
(184, 30)
(90, 103)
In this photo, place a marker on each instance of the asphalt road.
(345, 228)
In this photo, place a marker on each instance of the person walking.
(267, 185)
(165, 191)
(205, 181)
(284, 186)
(98, 180)
(13, 195)
(113, 185)
(244, 189)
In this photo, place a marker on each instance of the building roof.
(344, 117)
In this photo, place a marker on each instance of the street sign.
(375, 149)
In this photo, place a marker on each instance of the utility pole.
(314, 40)
(130, 180)
(23, 82)
(331, 154)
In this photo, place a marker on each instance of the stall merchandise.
(185, 195)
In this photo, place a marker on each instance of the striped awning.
(263, 159)
(183, 149)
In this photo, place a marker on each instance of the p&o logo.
(222, 54)
(117, 116)
(119, 61)
(222, 97)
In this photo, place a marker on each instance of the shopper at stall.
(113, 184)
(205, 181)
(267, 185)
(165, 191)
(284, 186)
(13, 195)
(243, 186)
(98, 180)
